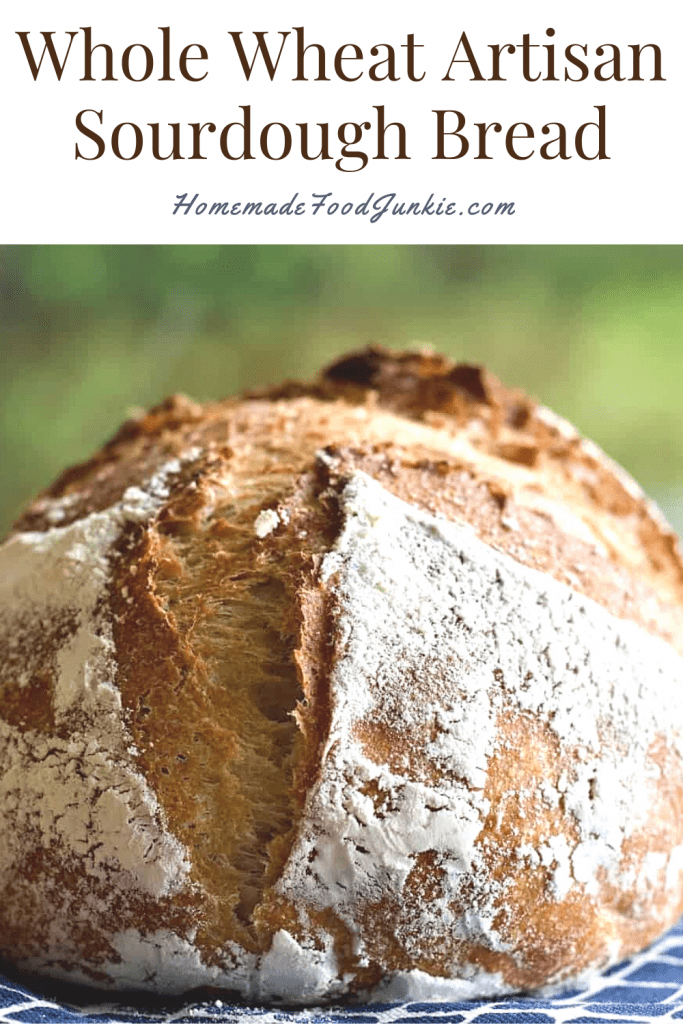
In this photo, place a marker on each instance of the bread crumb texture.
(369, 688)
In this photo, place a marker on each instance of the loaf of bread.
(368, 688)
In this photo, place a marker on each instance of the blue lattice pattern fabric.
(647, 988)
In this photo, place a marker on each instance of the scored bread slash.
(366, 688)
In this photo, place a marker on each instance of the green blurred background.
(89, 332)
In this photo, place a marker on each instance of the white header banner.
(162, 122)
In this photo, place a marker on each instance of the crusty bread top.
(206, 597)
(447, 437)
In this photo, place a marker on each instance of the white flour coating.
(266, 521)
(424, 606)
(288, 971)
(298, 974)
(414, 986)
(437, 636)
(79, 795)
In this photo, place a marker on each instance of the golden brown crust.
(460, 443)
(213, 632)
(224, 645)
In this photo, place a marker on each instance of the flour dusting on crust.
(439, 639)
(73, 789)
(496, 740)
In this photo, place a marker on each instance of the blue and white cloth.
(645, 989)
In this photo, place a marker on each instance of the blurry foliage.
(88, 332)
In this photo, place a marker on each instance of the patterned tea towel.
(647, 988)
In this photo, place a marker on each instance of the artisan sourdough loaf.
(368, 688)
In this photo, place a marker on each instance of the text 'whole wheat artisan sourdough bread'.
(369, 688)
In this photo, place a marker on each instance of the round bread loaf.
(367, 688)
